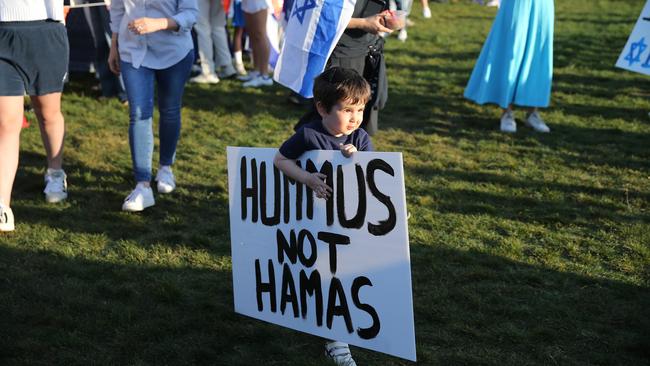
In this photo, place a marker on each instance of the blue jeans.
(139, 85)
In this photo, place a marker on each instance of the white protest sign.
(336, 268)
(636, 54)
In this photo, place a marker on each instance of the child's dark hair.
(338, 84)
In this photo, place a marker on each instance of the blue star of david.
(639, 46)
(646, 64)
(300, 11)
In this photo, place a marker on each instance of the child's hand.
(348, 150)
(316, 182)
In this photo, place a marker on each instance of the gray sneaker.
(508, 123)
(56, 186)
(537, 123)
(226, 71)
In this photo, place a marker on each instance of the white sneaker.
(226, 71)
(496, 3)
(241, 70)
(249, 76)
(339, 352)
(205, 79)
(6, 219)
(508, 123)
(402, 35)
(56, 186)
(537, 123)
(259, 81)
(139, 199)
(426, 12)
(165, 179)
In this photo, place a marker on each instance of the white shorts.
(253, 6)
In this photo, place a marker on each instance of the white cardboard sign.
(336, 268)
(636, 54)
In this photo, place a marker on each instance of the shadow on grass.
(470, 308)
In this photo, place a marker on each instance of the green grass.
(526, 249)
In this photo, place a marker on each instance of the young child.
(340, 96)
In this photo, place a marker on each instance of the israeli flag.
(313, 29)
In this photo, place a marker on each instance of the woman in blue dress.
(516, 63)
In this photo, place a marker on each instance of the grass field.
(526, 249)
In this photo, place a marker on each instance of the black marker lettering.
(357, 221)
(248, 192)
(275, 219)
(261, 287)
(373, 330)
(311, 285)
(326, 169)
(286, 247)
(333, 240)
(288, 291)
(336, 291)
(313, 251)
(384, 226)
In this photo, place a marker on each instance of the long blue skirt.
(516, 62)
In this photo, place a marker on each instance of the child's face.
(343, 118)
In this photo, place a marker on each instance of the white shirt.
(158, 50)
(27, 10)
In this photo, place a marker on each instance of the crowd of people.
(514, 68)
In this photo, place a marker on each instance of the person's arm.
(315, 181)
(114, 55)
(179, 22)
(373, 24)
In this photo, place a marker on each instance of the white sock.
(238, 59)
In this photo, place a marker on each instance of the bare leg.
(237, 39)
(48, 111)
(256, 26)
(10, 125)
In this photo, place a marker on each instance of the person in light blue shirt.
(152, 42)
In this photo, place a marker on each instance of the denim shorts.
(33, 57)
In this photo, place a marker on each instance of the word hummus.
(283, 201)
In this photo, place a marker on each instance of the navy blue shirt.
(314, 136)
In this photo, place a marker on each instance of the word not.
(257, 194)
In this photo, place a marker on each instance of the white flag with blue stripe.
(313, 29)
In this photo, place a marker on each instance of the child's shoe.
(56, 186)
(537, 123)
(165, 179)
(508, 123)
(339, 352)
(6, 219)
(139, 199)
